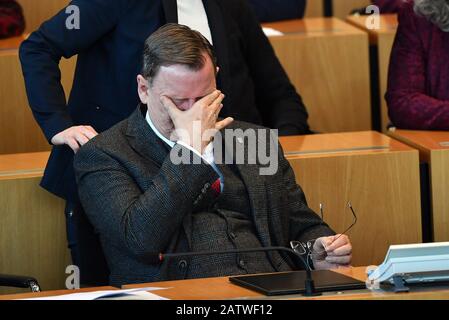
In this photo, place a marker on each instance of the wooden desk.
(380, 176)
(52, 293)
(19, 132)
(433, 148)
(382, 42)
(11, 43)
(221, 288)
(36, 12)
(314, 8)
(327, 61)
(32, 223)
(344, 7)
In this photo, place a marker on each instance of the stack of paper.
(137, 294)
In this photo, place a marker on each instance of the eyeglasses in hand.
(306, 248)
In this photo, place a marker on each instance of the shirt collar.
(156, 131)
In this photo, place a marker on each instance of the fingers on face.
(216, 104)
(210, 98)
(169, 105)
(223, 123)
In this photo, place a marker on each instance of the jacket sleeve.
(409, 105)
(141, 220)
(41, 52)
(280, 105)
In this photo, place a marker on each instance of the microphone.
(309, 284)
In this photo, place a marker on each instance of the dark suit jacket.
(109, 45)
(141, 203)
(276, 10)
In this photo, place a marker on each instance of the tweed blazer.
(141, 202)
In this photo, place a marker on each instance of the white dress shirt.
(207, 156)
(192, 14)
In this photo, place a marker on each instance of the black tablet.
(284, 283)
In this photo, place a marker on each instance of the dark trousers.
(85, 247)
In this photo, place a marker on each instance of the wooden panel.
(32, 225)
(328, 62)
(11, 43)
(434, 150)
(314, 8)
(383, 38)
(22, 164)
(343, 8)
(19, 131)
(381, 180)
(36, 12)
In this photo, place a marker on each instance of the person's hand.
(197, 126)
(332, 252)
(74, 137)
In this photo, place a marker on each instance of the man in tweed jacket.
(156, 182)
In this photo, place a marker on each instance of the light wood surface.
(342, 8)
(434, 150)
(327, 61)
(11, 43)
(378, 175)
(32, 224)
(52, 293)
(19, 131)
(36, 12)
(22, 164)
(221, 289)
(383, 38)
(314, 8)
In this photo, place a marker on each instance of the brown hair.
(175, 44)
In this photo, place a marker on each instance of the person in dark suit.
(109, 43)
(277, 10)
(156, 182)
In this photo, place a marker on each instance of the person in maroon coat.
(388, 6)
(418, 80)
(12, 22)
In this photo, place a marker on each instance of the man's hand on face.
(74, 137)
(197, 125)
(332, 252)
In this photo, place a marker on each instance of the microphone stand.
(309, 284)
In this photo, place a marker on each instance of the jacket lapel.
(143, 140)
(146, 143)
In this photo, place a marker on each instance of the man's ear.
(142, 88)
